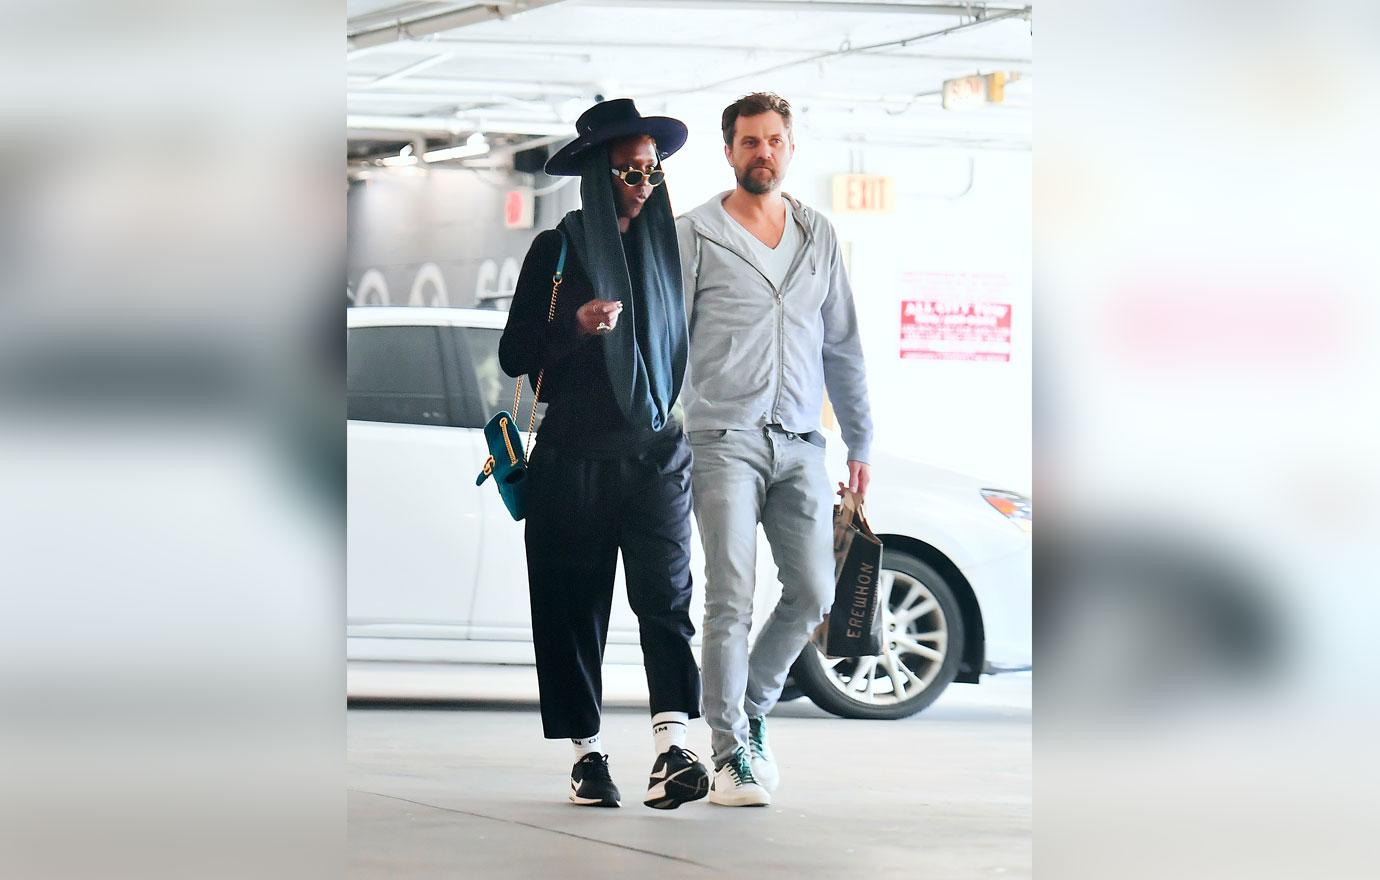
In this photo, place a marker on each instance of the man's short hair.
(754, 105)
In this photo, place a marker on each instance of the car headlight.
(1011, 505)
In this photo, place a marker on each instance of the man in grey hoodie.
(772, 324)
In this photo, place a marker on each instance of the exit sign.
(863, 194)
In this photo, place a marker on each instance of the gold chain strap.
(503, 428)
(536, 391)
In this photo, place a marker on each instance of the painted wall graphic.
(439, 238)
(956, 316)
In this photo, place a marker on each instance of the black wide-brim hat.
(610, 120)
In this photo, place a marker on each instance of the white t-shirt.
(774, 262)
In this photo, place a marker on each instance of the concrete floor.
(469, 788)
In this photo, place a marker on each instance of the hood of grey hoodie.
(712, 221)
(761, 355)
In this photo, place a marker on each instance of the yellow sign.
(970, 91)
(863, 194)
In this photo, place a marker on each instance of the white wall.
(973, 417)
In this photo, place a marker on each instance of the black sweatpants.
(581, 513)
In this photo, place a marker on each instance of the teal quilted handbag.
(507, 461)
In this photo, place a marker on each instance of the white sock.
(669, 729)
(587, 745)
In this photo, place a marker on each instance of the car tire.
(922, 608)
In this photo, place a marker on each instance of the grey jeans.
(740, 479)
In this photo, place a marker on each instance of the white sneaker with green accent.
(735, 786)
(764, 768)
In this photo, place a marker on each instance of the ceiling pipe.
(403, 73)
(422, 85)
(506, 50)
(541, 108)
(432, 24)
(847, 49)
(451, 125)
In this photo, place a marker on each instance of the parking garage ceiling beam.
(965, 10)
(487, 47)
(474, 85)
(405, 29)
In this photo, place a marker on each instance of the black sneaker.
(590, 784)
(677, 778)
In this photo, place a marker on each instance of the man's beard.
(756, 186)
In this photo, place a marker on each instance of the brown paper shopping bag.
(853, 627)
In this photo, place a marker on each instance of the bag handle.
(853, 503)
(550, 316)
(849, 500)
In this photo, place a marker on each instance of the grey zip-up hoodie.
(761, 355)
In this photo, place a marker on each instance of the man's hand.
(598, 317)
(859, 475)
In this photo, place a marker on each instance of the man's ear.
(728, 153)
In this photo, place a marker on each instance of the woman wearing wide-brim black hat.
(610, 473)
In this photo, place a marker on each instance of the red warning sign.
(518, 207)
(955, 316)
(955, 331)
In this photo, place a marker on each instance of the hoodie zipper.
(807, 242)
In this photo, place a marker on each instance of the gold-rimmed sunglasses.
(636, 177)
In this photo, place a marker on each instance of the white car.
(436, 568)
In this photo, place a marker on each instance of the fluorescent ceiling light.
(475, 145)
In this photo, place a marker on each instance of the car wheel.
(923, 635)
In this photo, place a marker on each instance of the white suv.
(436, 569)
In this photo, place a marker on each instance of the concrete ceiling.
(858, 71)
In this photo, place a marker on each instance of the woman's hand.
(598, 317)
